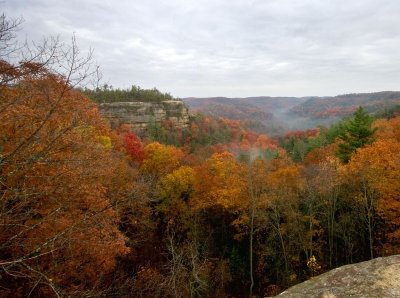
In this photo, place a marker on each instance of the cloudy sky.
(229, 47)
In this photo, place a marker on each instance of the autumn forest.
(217, 209)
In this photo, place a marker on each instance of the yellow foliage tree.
(175, 190)
(160, 160)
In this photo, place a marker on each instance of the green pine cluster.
(358, 133)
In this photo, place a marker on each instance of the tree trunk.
(251, 251)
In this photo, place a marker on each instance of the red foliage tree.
(134, 147)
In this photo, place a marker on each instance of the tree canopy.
(357, 133)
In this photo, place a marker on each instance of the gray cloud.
(230, 47)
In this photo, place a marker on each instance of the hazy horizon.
(285, 96)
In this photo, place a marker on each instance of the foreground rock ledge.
(379, 277)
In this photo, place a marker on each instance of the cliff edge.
(139, 115)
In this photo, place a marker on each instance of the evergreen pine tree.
(357, 134)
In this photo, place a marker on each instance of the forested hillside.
(260, 114)
(214, 210)
(276, 115)
(265, 103)
(345, 105)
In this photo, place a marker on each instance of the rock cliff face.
(376, 278)
(138, 115)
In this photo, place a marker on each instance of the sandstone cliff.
(138, 115)
(379, 277)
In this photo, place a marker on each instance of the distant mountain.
(265, 103)
(276, 114)
(344, 105)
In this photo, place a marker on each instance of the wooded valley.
(213, 210)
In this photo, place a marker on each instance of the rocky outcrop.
(376, 278)
(138, 115)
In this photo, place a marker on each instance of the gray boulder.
(376, 278)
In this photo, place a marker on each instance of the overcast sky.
(230, 47)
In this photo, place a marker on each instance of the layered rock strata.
(138, 115)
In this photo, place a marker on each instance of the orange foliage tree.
(58, 228)
(377, 166)
(219, 181)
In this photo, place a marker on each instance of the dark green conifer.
(357, 134)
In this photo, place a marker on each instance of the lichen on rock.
(379, 277)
